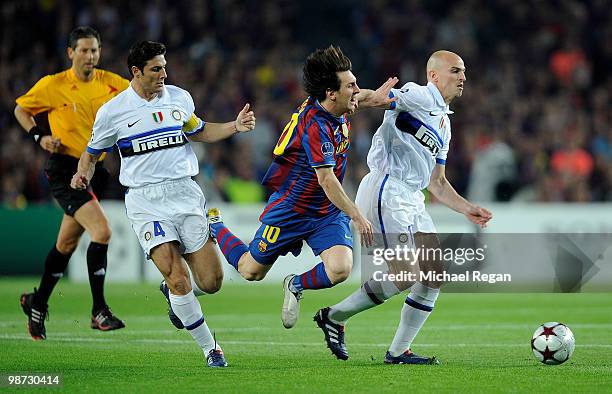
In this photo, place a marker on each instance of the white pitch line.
(433, 327)
(266, 343)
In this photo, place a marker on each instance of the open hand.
(246, 119)
(381, 98)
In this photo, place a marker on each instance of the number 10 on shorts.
(271, 233)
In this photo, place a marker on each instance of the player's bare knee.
(178, 282)
(212, 289)
(179, 286)
(250, 269)
(339, 272)
(252, 276)
(170, 265)
(102, 234)
(338, 277)
(212, 284)
(67, 247)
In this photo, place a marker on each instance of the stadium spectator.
(513, 44)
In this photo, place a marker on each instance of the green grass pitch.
(482, 341)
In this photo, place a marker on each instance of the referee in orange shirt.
(71, 98)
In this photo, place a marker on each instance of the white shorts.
(392, 207)
(169, 211)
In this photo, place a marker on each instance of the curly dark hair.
(320, 71)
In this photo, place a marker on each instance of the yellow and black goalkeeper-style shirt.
(72, 104)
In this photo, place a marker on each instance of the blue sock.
(231, 246)
(314, 279)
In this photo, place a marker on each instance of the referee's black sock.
(96, 265)
(55, 265)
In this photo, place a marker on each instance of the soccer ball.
(553, 343)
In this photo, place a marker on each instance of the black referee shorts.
(60, 169)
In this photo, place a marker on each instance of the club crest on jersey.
(176, 114)
(342, 146)
(327, 149)
(262, 246)
(158, 117)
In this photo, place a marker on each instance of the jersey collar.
(136, 101)
(433, 89)
(335, 119)
(73, 78)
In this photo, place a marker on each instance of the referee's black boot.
(36, 316)
(104, 320)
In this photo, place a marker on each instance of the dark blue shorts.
(322, 233)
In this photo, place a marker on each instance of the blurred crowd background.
(534, 123)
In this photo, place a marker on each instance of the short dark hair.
(82, 32)
(320, 71)
(142, 52)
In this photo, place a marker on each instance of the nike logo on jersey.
(132, 124)
(432, 113)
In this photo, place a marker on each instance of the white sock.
(188, 309)
(351, 305)
(360, 300)
(416, 310)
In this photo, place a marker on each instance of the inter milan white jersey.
(151, 135)
(413, 136)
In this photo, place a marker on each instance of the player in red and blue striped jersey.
(309, 203)
(314, 140)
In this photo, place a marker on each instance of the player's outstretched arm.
(213, 132)
(85, 171)
(440, 187)
(336, 194)
(378, 98)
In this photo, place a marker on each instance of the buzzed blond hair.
(438, 58)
